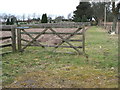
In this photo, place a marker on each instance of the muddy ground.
(50, 39)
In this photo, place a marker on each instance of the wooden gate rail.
(12, 37)
(34, 41)
(48, 33)
(54, 46)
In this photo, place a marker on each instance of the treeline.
(98, 12)
(87, 11)
(12, 19)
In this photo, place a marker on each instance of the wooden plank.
(49, 33)
(68, 40)
(6, 45)
(7, 27)
(5, 30)
(3, 38)
(63, 46)
(25, 40)
(54, 46)
(76, 40)
(36, 42)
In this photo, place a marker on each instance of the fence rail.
(108, 26)
(3, 38)
(11, 29)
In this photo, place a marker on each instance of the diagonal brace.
(33, 39)
(65, 40)
(69, 37)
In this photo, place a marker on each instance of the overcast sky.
(51, 7)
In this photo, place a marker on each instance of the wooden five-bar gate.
(34, 42)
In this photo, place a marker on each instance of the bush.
(44, 18)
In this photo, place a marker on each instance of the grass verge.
(42, 67)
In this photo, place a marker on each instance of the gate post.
(83, 38)
(19, 39)
(13, 39)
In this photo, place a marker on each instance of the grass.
(47, 69)
(102, 47)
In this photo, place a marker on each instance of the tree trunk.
(114, 11)
(100, 22)
(114, 24)
(119, 27)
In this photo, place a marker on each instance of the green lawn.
(47, 69)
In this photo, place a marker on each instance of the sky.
(53, 8)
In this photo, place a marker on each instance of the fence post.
(13, 39)
(83, 38)
(19, 39)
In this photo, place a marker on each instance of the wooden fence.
(12, 44)
(108, 26)
(51, 26)
(34, 42)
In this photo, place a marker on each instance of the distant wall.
(59, 25)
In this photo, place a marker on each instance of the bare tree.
(59, 18)
(98, 10)
(28, 17)
(49, 19)
(69, 16)
(18, 17)
(34, 15)
(4, 16)
(115, 12)
(23, 17)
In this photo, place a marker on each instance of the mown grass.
(102, 49)
(101, 65)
